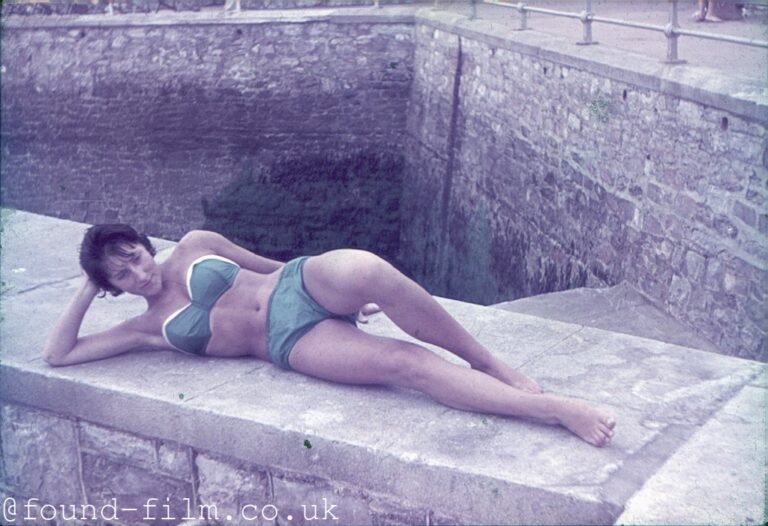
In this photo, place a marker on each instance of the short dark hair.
(108, 240)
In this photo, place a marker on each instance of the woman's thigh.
(337, 351)
(344, 280)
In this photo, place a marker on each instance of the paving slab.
(469, 467)
(39, 250)
(666, 382)
(702, 483)
(620, 308)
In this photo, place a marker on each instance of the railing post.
(586, 21)
(670, 31)
(523, 12)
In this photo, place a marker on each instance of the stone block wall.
(156, 124)
(553, 177)
(61, 470)
(487, 172)
(86, 7)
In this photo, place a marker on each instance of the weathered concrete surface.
(702, 483)
(457, 466)
(618, 309)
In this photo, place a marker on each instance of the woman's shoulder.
(198, 239)
(190, 247)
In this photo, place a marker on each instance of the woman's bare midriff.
(239, 318)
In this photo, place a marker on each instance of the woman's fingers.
(370, 308)
(366, 310)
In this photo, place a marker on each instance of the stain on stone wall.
(140, 123)
(312, 204)
(468, 257)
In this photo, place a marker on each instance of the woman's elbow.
(52, 359)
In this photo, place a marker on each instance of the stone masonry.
(505, 169)
(83, 7)
(75, 471)
(241, 126)
(551, 177)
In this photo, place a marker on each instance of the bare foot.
(509, 376)
(590, 424)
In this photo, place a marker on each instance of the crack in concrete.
(38, 286)
(228, 380)
(548, 349)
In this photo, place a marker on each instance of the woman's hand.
(366, 310)
(87, 286)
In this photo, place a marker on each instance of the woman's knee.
(372, 273)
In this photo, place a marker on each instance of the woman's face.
(135, 273)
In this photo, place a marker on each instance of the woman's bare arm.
(65, 347)
(224, 247)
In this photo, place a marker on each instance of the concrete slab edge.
(344, 463)
(673, 490)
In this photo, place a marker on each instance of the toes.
(598, 439)
(608, 432)
(609, 421)
(601, 436)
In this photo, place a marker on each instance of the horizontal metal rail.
(628, 23)
(723, 38)
(672, 31)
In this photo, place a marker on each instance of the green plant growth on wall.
(468, 258)
(600, 110)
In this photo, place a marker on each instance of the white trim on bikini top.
(188, 280)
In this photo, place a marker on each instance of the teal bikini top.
(189, 328)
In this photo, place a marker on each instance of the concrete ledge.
(389, 445)
(743, 97)
(617, 309)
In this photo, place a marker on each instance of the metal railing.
(672, 31)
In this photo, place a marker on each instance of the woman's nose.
(140, 273)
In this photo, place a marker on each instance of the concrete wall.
(517, 167)
(554, 174)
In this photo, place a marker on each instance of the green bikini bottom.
(293, 313)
